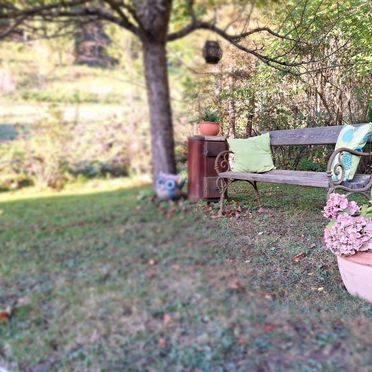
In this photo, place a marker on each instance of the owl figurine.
(169, 186)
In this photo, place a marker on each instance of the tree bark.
(156, 75)
(232, 109)
(250, 116)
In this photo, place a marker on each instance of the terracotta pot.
(209, 128)
(356, 273)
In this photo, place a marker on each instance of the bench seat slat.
(289, 177)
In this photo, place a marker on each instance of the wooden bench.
(294, 137)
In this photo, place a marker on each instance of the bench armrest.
(221, 163)
(338, 167)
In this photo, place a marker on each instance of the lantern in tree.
(212, 52)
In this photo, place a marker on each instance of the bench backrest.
(307, 136)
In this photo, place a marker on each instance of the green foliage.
(309, 165)
(53, 151)
(58, 97)
(210, 114)
(48, 150)
(340, 30)
(367, 209)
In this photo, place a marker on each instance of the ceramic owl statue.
(169, 186)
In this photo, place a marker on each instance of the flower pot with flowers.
(349, 237)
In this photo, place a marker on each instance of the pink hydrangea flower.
(350, 233)
(338, 203)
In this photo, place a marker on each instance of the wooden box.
(202, 153)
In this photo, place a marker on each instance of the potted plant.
(349, 237)
(209, 124)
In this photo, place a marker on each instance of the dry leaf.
(5, 315)
(167, 319)
(242, 341)
(298, 256)
(162, 342)
(269, 327)
(236, 286)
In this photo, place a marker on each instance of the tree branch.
(201, 25)
(116, 6)
(72, 9)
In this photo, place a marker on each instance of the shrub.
(53, 151)
(47, 150)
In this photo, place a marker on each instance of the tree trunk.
(156, 75)
(250, 116)
(232, 109)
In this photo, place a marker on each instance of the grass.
(102, 281)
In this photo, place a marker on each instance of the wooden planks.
(288, 177)
(307, 136)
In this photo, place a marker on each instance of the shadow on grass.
(102, 281)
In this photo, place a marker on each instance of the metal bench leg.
(254, 185)
(222, 184)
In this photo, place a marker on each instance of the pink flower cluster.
(349, 233)
(338, 203)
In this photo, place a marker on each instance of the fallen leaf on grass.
(5, 315)
(317, 289)
(298, 257)
(236, 286)
(269, 327)
(162, 342)
(242, 341)
(167, 320)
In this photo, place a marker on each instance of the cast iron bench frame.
(293, 137)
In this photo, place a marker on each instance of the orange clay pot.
(209, 128)
(356, 273)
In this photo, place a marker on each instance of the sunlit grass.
(83, 187)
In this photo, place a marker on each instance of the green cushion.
(354, 138)
(252, 154)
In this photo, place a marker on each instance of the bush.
(54, 151)
(47, 150)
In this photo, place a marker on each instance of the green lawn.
(101, 281)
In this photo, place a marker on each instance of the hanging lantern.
(212, 52)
